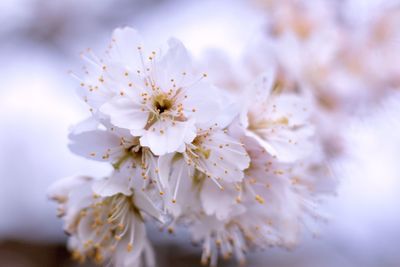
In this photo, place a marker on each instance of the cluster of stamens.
(111, 219)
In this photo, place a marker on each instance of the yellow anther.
(260, 199)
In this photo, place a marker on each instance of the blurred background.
(40, 41)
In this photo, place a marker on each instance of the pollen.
(259, 199)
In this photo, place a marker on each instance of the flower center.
(110, 221)
(199, 148)
(162, 103)
(134, 152)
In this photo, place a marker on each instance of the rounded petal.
(168, 136)
(60, 190)
(225, 159)
(173, 63)
(116, 184)
(124, 48)
(218, 202)
(98, 145)
(126, 113)
(203, 103)
(89, 124)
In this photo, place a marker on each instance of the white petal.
(95, 98)
(281, 125)
(265, 144)
(86, 125)
(117, 183)
(177, 177)
(166, 136)
(164, 168)
(292, 145)
(133, 258)
(261, 89)
(61, 189)
(124, 48)
(227, 157)
(85, 230)
(78, 199)
(202, 103)
(98, 145)
(230, 109)
(173, 63)
(149, 256)
(215, 201)
(145, 204)
(126, 113)
(296, 109)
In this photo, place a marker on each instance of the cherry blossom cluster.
(343, 54)
(239, 167)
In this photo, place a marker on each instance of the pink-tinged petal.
(168, 136)
(126, 113)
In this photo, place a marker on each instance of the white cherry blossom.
(209, 167)
(155, 95)
(278, 121)
(218, 237)
(273, 202)
(137, 164)
(105, 228)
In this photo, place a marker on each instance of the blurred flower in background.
(341, 55)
